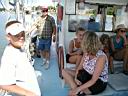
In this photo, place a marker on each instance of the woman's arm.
(97, 72)
(80, 65)
(125, 39)
(71, 46)
(111, 44)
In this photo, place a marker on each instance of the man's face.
(44, 12)
(17, 40)
(122, 32)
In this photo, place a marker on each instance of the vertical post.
(23, 13)
(17, 10)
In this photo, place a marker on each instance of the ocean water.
(3, 41)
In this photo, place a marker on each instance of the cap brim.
(120, 28)
(15, 29)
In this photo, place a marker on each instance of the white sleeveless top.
(89, 66)
(75, 48)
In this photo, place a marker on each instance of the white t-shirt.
(16, 69)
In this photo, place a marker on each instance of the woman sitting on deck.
(75, 52)
(91, 76)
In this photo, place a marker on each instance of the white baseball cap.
(15, 29)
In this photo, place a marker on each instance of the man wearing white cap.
(16, 72)
(46, 27)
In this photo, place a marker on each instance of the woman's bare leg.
(69, 75)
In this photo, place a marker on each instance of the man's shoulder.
(50, 17)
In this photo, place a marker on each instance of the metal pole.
(17, 10)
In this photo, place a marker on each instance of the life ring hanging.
(59, 12)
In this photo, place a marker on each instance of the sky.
(35, 2)
(40, 2)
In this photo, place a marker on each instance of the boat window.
(95, 17)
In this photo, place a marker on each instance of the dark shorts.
(98, 87)
(67, 58)
(34, 39)
(44, 44)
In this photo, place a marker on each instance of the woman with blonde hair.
(75, 53)
(91, 76)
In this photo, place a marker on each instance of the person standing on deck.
(46, 28)
(16, 71)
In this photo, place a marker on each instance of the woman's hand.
(77, 81)
(124, 35)
(74, 92)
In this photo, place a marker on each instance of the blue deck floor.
(50, 83)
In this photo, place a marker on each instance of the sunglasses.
(45, 10)
(122, 31)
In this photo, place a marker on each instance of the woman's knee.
(64, 72)
(79, 57)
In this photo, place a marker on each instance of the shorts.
(98, 87)
(67, 58)
(34, 39)
(44, 44)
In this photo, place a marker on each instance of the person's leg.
(47, 55)
(68, 76)
(123, 55)
(41, 50)
(47, 52)
(111, 66)
(79, 57)
(125, 59)
(43, 56)
(86, 92)
(119, 55)
(76, 59)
